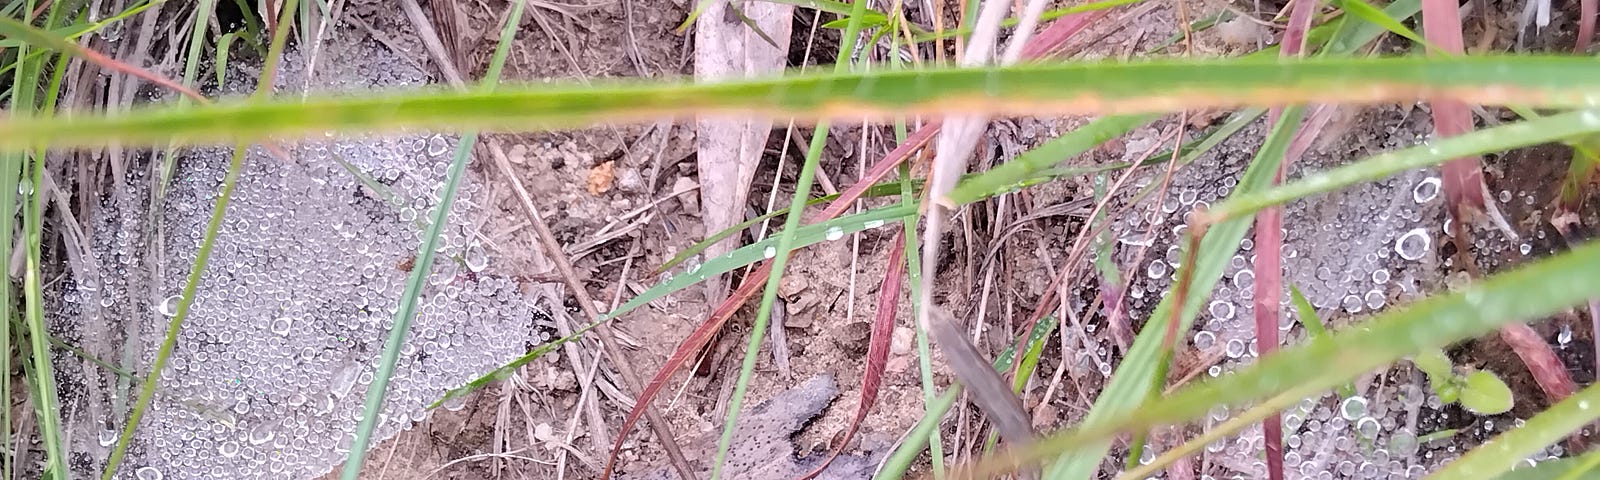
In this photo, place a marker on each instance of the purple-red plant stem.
(1586, 13)
(1462, 177)
(1268, 268)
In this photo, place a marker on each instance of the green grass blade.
(1373, 15)
(1089, 87)
(1515, 135)
(909, 187)
(1532, 291)
(1316, 330)
(424, 265)
(50, 432)
(1498, 455)
(43, 388)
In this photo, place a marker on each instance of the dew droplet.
(476, 259)
(1367, 427)
(835, 233)
(1565, 336)
(1221, 310)
(228, 449)
(871, 224)
(1380, 276)
(1353, 408)
(1412, 245)
(147, 473)
(1375, 299)
(1525, 248)
(769, 252)
(281, 326)
(1234, 348)
(1425, 190)
(169, 307)
(1352, 304)
(344, 380)
(1157, 269)
(1244, 280)
(1204, 340)
(437, 145)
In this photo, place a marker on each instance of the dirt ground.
(631, 222)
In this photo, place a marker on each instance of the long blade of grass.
(10, 170)
(43, 388)
(1498, 455)
(424, 264)
(1535, 290)
(147, 388)
(1087, 87)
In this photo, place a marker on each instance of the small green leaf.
(1448, 392)
(1434, 363)
(1485, 394)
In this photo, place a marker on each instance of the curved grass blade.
(1373, 15)
(45, 40)
(806, 236)
(1515, 135)
(1535, 290)
(424, 264)
(1499, 454)
(1084, 87)
(1574, 468)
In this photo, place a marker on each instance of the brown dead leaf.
(601, 177)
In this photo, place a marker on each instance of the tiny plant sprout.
(1479, 391)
